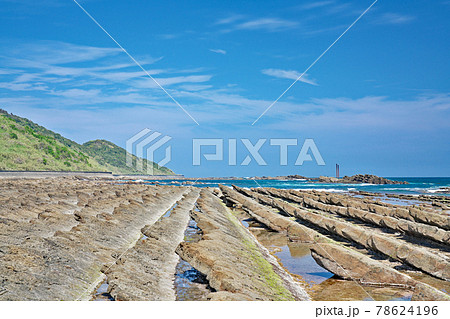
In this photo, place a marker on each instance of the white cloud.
(236, 23)
(55, 52)
(9, 71)
(288, 74)
(268, 24)
(230, 19)
(14, 86)
(85, 88)
(394, 18)
(148, 83)
(195, 87)
(107, 78)
(314, 5)
(220, 51)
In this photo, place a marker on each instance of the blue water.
(417, 185)
(304, 266)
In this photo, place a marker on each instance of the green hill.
(110, 155)
(27, 146)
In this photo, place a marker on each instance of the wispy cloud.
(269, 24)
(108, 82)
(55, 52)
(144, 83)
(15, 86)
(168, 36)
(195, 87)
(314, 5)
(220, 51)
(288, 74)
(393, 18)
(314, 19)
(230, 19)
(79, 91)
(85, 74)
(319, 10)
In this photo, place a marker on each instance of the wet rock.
(233, 260)
(419, 257)
(349, 264)
(424, 292)
(228, 296)
(273, 220)
(382, 218)
(147, 270)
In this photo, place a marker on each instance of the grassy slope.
(25, 145)
(111, 155)
(22, 148)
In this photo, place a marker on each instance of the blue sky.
(378, 102)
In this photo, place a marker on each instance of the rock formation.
(61, 238)
(359, 178)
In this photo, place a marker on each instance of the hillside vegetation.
(114, 157)
(27, 146)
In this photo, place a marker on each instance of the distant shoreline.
(88, 174)
(13, 174)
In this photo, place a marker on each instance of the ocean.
(416, 186)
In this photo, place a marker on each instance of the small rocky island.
(359, 178)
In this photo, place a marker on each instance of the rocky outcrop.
(418, 257)
(342, 261)
(444, 190)
(55, 237)
(235, 264)
(359, 178)
(424, 292)
(327, 180)
(349, 264)
(354, 209)
(273, 220)
(282, 178)
(146, 272)
(60, 238)
(412, 213)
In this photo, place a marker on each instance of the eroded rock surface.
(236, 265)
(147, 270)
(349, 264)
(356, 224)
(56, 235)
(61, 237)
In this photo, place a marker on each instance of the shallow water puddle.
(398, 201)
(389, 200)
(101, 294)
(294, 257)
(245, 222)
(347, 290)
(167, 214)
(189, 283)
(298, 261)
(323, 285)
